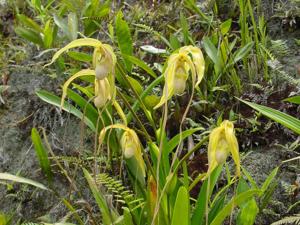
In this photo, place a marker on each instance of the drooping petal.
(214, 139)
(81, 73)
(168, 87)
(138, 152)
(102, 92)
(233, 144)
(76, 43)
(198, 61)
(128, 139)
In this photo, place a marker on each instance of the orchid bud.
(152, 195)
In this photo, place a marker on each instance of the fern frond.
(279, 48)
(295, 220)
(119, 191)
(277, 67)
(267, 51)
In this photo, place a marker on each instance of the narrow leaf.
(55, 100)
(100, 200)
(10, 177)
(140, 64)
(235, 201)
(41, 153)
(282, 118)
(176, 139)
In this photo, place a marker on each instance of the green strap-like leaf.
(55, 100)
(242, 52)
(124, 38)
(100, 200)
(176, 139)
(294, 99)
(10, 177)
(140, 64)
(30, 35)
(41, 153)
(235, 201)
(213, 54)
(204, 196)
(282, 118)
(181, 214)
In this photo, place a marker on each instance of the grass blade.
(100, 200)
(41, 153)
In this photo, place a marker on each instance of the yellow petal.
(109, 50)
(233, 144)
(168, 88)
(198, 61)
(120, 112)
(77, 43)
(138, 152)
(113, 126)
(102, 92)
(214, 139)
(81, 73)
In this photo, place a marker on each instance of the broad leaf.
(29, 35)
(181, 214)
(235, 201)
(124, 39)
(294, 99)
(242, 52)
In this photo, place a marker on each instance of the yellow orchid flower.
(130, 144)
(222, 142)
(188, 59)
(104, 61)
(102, 92)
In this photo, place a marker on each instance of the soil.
(22, 111)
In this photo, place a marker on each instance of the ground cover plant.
(164, 112)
